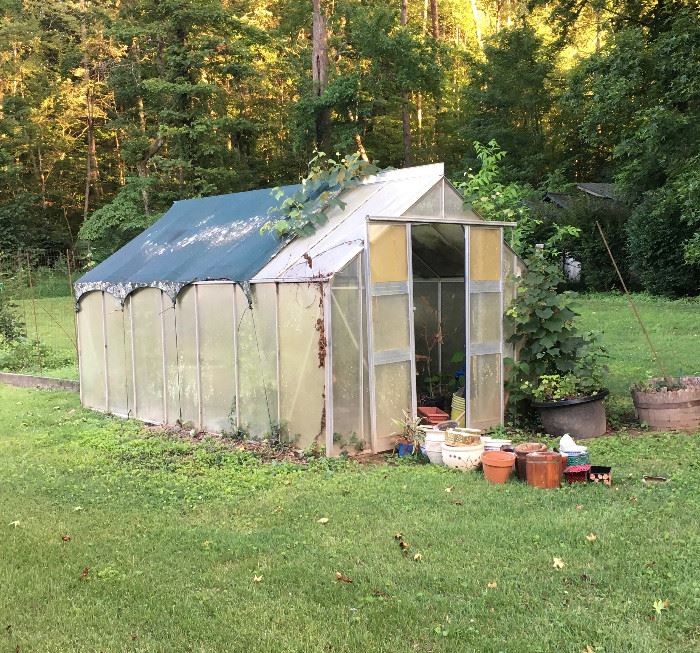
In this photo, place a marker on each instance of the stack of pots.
(462, 449)
(434, 440)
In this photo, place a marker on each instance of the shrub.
(26, 355)
(656, 241)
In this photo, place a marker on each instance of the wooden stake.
(633, 306)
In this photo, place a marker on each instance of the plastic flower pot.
(583, 417)
(498, 465)
(405, 449)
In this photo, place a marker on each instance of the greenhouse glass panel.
(172, 381)
(453, 337)
(391, 328)
(485, 391)
(302, 360)
(148, 355)
(186, 327)
(91, 343)
(118, 357)
(486, 319)
(430, 205)
(347, 356)
(485, 254)
(388, 260)
(257, 360)
(393, 388)
(216, 355)
(455, 206)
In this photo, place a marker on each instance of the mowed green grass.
(181, 547)
(673, 326)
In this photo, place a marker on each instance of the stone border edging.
(43, 382)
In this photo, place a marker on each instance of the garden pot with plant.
(559, 371)
(668, 403)
(566, 404)
(409, 440)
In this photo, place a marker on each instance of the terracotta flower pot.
(498, 465)
(521, 452)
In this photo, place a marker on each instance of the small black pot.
(583, 417)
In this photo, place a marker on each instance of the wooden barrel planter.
(670, 409)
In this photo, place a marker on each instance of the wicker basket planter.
(670, 409)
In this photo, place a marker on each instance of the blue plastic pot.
(405, 449)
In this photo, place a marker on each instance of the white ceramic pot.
(434, 439)
(465, 458)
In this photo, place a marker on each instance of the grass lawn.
(181, 547)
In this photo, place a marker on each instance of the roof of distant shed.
(199, 239)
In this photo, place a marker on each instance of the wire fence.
(37, 285)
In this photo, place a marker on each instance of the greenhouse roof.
(218, 238)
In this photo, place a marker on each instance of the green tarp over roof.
(202, 239)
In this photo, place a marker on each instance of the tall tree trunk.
(92, 172)
(319, 69)
(405, 116)
(435, 21)
(475, 14)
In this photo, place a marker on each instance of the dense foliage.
(111, 110)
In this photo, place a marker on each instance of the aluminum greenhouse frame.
(202, 319)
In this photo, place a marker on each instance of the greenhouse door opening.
(438, 258)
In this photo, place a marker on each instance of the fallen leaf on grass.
(84, 573)
(458, 503)
(660, 605)
(404, 545)
(77, 508)
(398, 536)
(591, 537)
(257, 579)
(66, 538)
(557, 563)
(449, 489)
(323, 520)
(492, 585)
(588, 649)
(579, 506)
(417, 557)
(15, 523)
(342, 578)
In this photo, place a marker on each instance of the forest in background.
(112, 110)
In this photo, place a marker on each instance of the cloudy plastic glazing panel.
(388, 256)
(393, 391)
(485, 318)
(485, 253)
(347, 356)
(455, 206)
(390, 318)
(185, 325)
(172, 380)
(430, 205)
(148, 355)
(485, 391)
(302, 360)
(257, 359)
(216, 355)
(118, 357)
(92, 367)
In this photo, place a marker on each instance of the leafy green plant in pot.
(559, 371)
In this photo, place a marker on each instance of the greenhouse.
(326, 339)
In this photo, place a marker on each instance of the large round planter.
(498, 465)
(670, 409)
(465, 457)
(583, 417)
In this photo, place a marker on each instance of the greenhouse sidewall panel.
(91, 346)
(302, 345)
